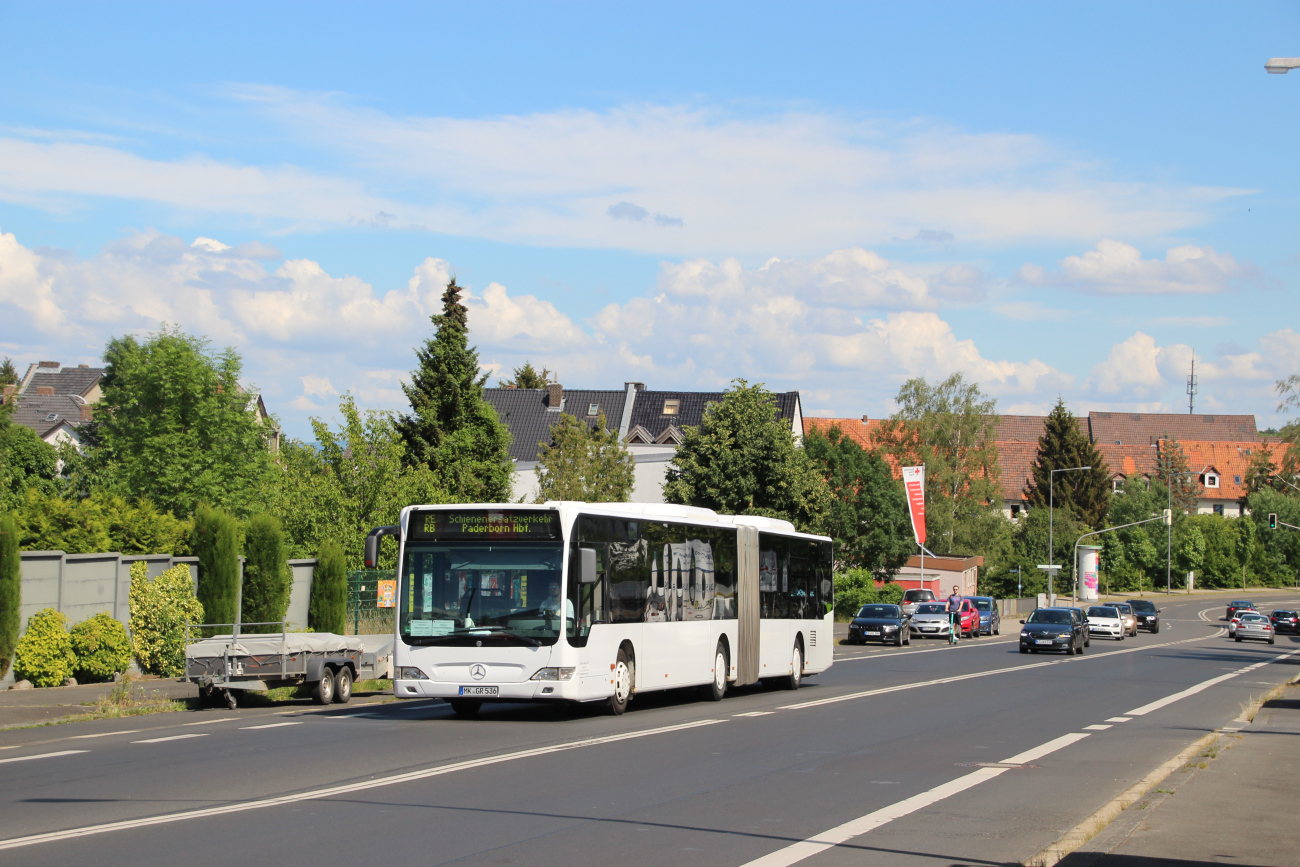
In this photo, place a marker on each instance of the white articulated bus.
(587, 602)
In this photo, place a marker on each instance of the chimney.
(555, 395)
(87, 413)
(53, 364)
(864, 419)
(45, 389)
(83, 366)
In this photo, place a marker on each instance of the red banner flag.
(914, 483)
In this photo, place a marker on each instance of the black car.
(1087, 633)
(1285, 621)
(884, 623)
(1148, 614)
(1053, 629)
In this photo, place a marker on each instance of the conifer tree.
(528, 377)
(215, 541)
(267, 580)
(451, 428)
(1173, 472)
(1063, 445)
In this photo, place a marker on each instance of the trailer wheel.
(323, 691)
(343, 685)
(231, 701)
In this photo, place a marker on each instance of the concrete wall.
(300, 593)
(647, 480)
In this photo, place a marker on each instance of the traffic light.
(1272, 520)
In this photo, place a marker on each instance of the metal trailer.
(223, 665)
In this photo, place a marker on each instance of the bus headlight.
(553, 674)
(410, 672)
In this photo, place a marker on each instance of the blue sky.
(1054, 199)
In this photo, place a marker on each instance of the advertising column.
(1088, 565)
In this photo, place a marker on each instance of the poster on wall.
(386, 594)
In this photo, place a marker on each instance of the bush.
(100, 522)
(101, 648)
(267, 580)
(853, 589)
(44, 654)
(329, 591)
(890, 593)
(216, 544)
(159, 611)
(11, 591)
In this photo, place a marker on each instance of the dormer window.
(1117, 485)
(671, 407)
(593, 409)
(1211, 480)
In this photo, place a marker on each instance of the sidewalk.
(1238, 809)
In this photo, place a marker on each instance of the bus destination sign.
(488, 524)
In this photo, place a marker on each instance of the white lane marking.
(172, 738)
(43, 756)
(883, 654)
(105, 734)
(841, 834)
(1096, 728)
(347, 788)
(756, 713)
(211, 721)
(268, 726)
(1203, 685)
(1007, 670)
(1118, 719)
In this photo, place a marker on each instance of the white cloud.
(1137, 369)
(1116, 268)
(797, 182)
(317, 385)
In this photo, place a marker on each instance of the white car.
(1105, 621)
(931, 620)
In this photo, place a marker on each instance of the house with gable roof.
(649, 423)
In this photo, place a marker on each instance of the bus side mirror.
(372, 544)
(586, 565)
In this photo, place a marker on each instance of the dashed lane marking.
(42, 756)
(1098, 727)
(268, 726)
(172, 738)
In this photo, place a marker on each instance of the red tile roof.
(1130, 428)
(1020, 428)
(1230, 460)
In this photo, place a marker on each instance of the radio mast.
(1191, 387)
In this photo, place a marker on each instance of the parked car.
(1285, 621)
(931, 620)
(990, 620)
(1148, 615)
(1052, 629)
(1087, 636)
(1239, 605)
(1105, 621)
(1256, 627)
(1126, 612)
(884, 623)
(913, 598)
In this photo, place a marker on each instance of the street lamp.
(1281, 65)
(1051, 502)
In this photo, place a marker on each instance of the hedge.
(159, 611)
(44, 654)
(11, 591)
(328, 610)
(267, 580)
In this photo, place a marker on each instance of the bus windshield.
(481, 593)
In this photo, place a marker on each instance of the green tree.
(868, 516)
(528, 377)
(44, 653)
(1134, 558)
(452, 430)
(26, 462)
(216, 544)
(160, 610)
(101, 648)
(11, 590)
(328, 608)
(583, 462)
(1278, 551)
(742, 459)
(100, 522)
(948, 428)
(267, 579)
(177, 428)
(1064, 445)
(1247, 539)
(1172, 471)
(350, 480)
(1262, 471)
(8, 375)
(1029, 544)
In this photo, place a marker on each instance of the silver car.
(931, 620)
(913, 598)
(1256, 627)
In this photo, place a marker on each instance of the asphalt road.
(934, 755)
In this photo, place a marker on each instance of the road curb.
(1097, 822)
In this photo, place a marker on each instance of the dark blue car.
(990, 620)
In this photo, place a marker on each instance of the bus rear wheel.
(721, 666)
(622, 684)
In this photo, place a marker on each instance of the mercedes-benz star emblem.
(477, 671)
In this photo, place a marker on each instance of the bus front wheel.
(622, 684)
(795, 677)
